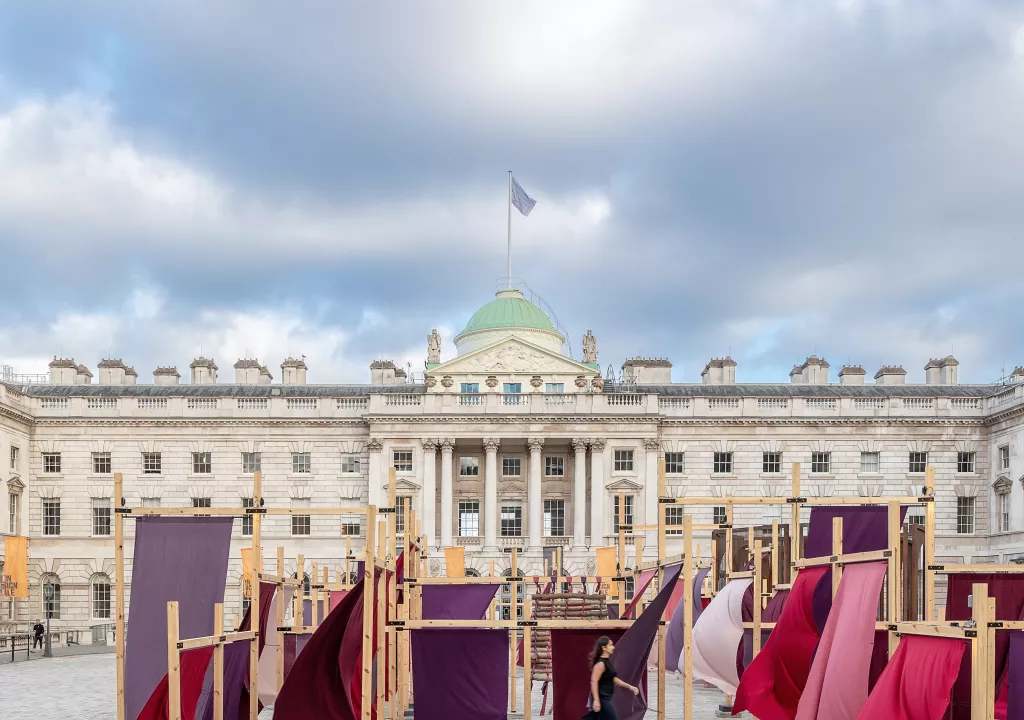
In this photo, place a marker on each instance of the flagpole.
(509, 229)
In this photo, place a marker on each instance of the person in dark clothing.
(603, 681)
(37, 634)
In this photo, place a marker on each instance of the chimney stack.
(941, 371)
(63, 371)
(166, 376)
(247, 372)
(1017, 375)
(293, 372)
(112, 372)
(852, 375)
(382, 372)
(891, 375)
(130, 376)
(265, 376)
(814, 371)
(719, 371)
(647, 371)
(204, 371)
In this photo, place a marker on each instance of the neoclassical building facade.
(513, 443)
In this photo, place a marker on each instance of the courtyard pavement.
(81, 687)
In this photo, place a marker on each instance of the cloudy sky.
(768, 179)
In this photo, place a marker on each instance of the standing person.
(603, 681)
(37, 633)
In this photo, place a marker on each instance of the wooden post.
(756, 588)
(368, 605)
(980, 679)
(621, 514)
(391, 636)
(119, 589)
(662, 629)
(298, 599)
(254, 601)
(990, 659)
(380, 639)
(929, 546)
(687, 623)
(279, 651)
(837, 550)
(728, 537)
(794, 523)
(527, 665)
(314, 595)
(173, 663)
(775, 554)
(513, 614)
(218, 663)
(894, 572)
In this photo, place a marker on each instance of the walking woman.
(603, 680)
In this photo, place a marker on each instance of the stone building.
(513, 443)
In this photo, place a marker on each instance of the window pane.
(554, 466)
(101, 599)
(965, 515)
(247, 519)
(719, 516)
(302, 463)
(554, 518)
(202, 463)
(350, 464)
(511, 521)
(821, 462)
(469, 518)
(627, 514)
(674, 519)
(965, 462)
(469, 466)
(674, 463)
(51, 607)
(300, 523)
(918, 462)
(470, 388)
(554, 387)
(51, 517)
(101, 464)
(403, 460)
(251, 462)
(771, 462)
(869, 462)
(623, 461)
(510, 467)
(151, 463)
(101, 517)
(723, 462)
(51, 463)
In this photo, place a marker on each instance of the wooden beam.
(173, 663)
(215, 640)
(980, 679)
(119, 590)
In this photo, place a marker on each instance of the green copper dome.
(509, 310)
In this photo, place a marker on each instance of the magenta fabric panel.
(1015, 670)
(674, 635)
(641, 587)
(838, 679)
(457, 602)
(334, 598)
(917, 681)
(179, 558)
(461, 674)
(571, 653)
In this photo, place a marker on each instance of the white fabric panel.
(716, 637)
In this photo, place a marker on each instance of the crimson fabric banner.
(917, 681)
(192, 670)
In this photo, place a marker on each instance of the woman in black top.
(603, 680)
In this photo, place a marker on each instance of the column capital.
(579, 445)
(652, 443)
(598, 444)
(536, 444)
(446, 444)
(429, 444)
(491, 444)
(374, 445)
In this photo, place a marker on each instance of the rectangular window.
(469, 518)
(402, 460)
(511, 467)
(554, 518)
(965, 462)
(1003, 501)
(101, 600)
(627, 520)
(470, 388)
(202, 502)
(401, 504)
(101, 517)
(1004, 458)
(101, 464)
(202, 463)
(12, 512)
(150, 502)
(965, 515)
(674, 520)
(918, 462)
(512, 520)
(247, 518)
(300, 523)
(675, 463)
(555, 388)
(151, 463)
(869, 463)
(915, 515)
(623, 461)
(771, 462)
(350, 464)
(251, 462)
(51, 517)
(51, 463)
(469, 467)
(821, 462)
(512, 388)
(302, 463)
(718, 515)
(14, 458)
(723, 463)
(351, 525)
(554, 466)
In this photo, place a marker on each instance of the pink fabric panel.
(645, 579)
(335, 597)
(916, 683)
(837, 686)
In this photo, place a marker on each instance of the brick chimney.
(852, 375)
(814, 371)
(719, 371)
(247, 372)
(112, 372)
(166, 376)
(382, 372)
(293, 372)
(204, 371)
(941, 371)
(891, 375)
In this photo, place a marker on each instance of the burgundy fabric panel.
(175, 558)
(771, 686)
(460, 673)
(879, 658)
(865, 529)
(571, 653)
(674, 635)
(457, 602)
(634, 648)
(916, 684)
(1008, 590)
(192, 671)
(317, 686)
(1015, 671)
(771, 613)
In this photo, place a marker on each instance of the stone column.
(651, 446)
(447, 445)
(597, 491)
(579, 494)
(535, 495)
(373, 484)
(428, 491)
(491, 493)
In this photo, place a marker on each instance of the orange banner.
(455, 562)
(247, 572)
(606, 561)
(14, 583)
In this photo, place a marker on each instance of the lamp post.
(48, 596)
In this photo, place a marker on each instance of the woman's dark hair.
(599, 647)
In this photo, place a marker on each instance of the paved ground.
(58, 651)
(82, 687)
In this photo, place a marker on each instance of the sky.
(765, 179)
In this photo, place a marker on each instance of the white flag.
(523, 202)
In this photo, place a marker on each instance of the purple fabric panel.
(821, 601)
(674, 635)
(634, 647)
(307, 612)
(460, 674)
(457, 602)
(771, 613)
(179, 558)
(1015, 696)
(613, 611)
(865, 529)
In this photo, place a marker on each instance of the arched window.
(470, 572)
(100, 591)
(307, 586)
(50, 586)
(505, 602)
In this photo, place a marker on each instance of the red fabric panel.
(193, 672)
(1008, 590)
(917, 681)
(571, 652)
(771, 686)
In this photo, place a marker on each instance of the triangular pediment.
(512, 355)
(1003, 484)
(15, 485)
(406, 485)
(623, 486)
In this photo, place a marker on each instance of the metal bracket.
(796, 500)
(926, 499)
(971, 633)
(526, 623)
(997, 624)
(123, 511)
(937, 567)
(256, 511)
(666, 501)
